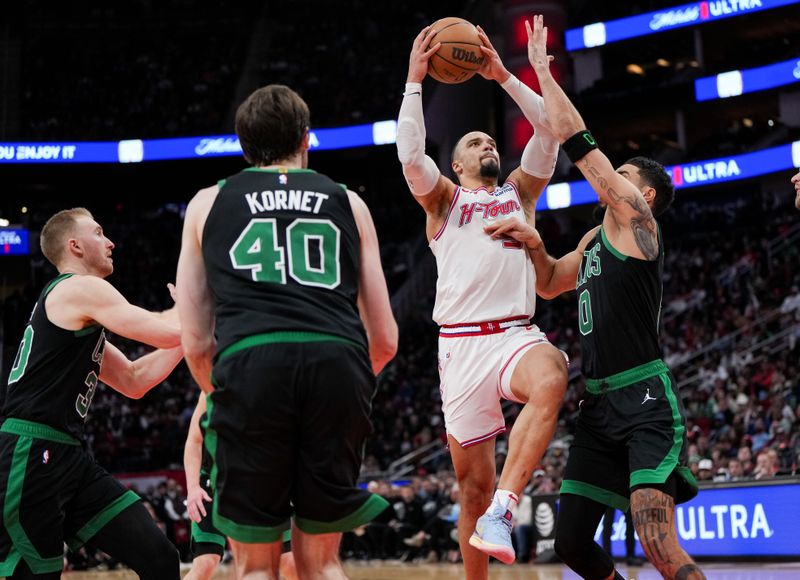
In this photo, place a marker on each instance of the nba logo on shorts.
(46, 456)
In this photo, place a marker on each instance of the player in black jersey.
(630, 442)
(287, 304)
(207, 542)
(51, 490)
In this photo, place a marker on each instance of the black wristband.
(577, 146)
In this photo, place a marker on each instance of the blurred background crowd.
(731, 308)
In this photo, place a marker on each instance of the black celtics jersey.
(282, 253)
(619, 305)
(55, 372)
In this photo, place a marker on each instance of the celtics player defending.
(630, 443)
(287, 304)
(207, 542)
(485, 299)
(51, 489)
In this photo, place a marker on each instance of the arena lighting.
(686, 175)
(601, 33)
(738, 82)
(139, 150)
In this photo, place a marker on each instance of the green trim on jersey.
(201, 537)
(88, 330)
(16, 480)
(210, 437)
(366, 513)
(595, 493)
(670, 462)
(25, 428)
(282, 336)
(626, 378)
(221, 183)
(56, 280)
(280, 170)
(108, 513)
(611, 248)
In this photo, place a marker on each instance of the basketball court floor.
(390, 571)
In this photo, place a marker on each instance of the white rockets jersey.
(481, 279)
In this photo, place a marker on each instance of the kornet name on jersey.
(481, 279)
(282, 253)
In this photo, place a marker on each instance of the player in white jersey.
(484, 303)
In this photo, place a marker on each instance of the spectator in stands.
(705, 470)
(766, 464)
(796, 183)
(735, 470)
(745, 457)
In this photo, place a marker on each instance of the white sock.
(504, 498)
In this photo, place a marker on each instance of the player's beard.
(490, 169)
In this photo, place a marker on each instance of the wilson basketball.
(460, 56)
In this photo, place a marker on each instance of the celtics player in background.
(208, 543)
(286, 303)
(51, 489)
(630, 442)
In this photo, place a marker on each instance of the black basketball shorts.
(52, 492)
(631, 432)
(286, 428)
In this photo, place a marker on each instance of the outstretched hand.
(537, 44)
(421, 53)
(515, 229)
(492, 68)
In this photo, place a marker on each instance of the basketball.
(460, 56)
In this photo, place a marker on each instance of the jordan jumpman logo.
(647, 397)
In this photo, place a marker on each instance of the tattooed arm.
(626, 203)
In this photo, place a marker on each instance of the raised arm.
(373, 296)
(626, 203)
(553, 276)
(135, 378)
(432, 190)
(195, 303)
(539, 157)
(192, 462)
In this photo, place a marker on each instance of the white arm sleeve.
(420, 171)
(540, 154)
(531, 104)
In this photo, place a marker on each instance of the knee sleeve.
(578, 518)
(134, 539)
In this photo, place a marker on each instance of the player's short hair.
(57, 231)
(455, 148)
(271, 124)
(654, 175)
